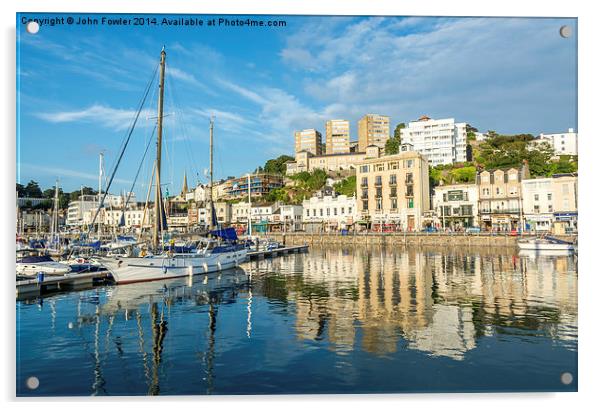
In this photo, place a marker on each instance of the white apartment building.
(538, 204)
(440, 141)
(329, 213)
(457, 206)
(564, 143)
(77, 212)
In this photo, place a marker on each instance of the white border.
(589, 126)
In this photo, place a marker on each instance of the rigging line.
(148, 144)
(131, 131)
(176, 101)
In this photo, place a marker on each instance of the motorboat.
(545, 244)
(32, 263)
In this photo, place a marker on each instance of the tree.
(20, 190)
(464, 174)
(392, 146)
(397, 132)
(277, 165)
(32, 190)
(346, 187)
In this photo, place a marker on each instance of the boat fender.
(40, 277)
(164, 269)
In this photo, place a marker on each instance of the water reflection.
(283, 325)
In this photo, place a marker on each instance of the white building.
(291, 216)
(77, 209)
(457, 205)
(329, 213)
(440, 141)
(240, 213)
(564, 143)
(538, 204)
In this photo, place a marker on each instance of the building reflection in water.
(435, 302)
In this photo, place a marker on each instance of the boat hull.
(131, 270)
(540, 246)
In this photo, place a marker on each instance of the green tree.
(392, 146)
(32, 190)
(277, 165)
(346, 187)
(397, 131)
(20, 190)
(464, 174)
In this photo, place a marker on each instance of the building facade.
(564, 195)
(440, 141)
(337, 137)
(538, 204)
(500, 198)
(261, 184)
(564, 143)
(393, 190)
(328, 213)
(456, 206)
(309, 140)
(373, 129)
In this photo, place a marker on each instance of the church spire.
(184, 185)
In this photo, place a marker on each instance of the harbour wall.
(401, 239)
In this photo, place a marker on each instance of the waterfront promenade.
(407, 238)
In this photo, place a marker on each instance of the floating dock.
(33, 287)
(259, 255)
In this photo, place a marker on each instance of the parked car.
(429, 229)
(473, 229)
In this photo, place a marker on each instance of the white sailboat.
(546, 244)
(211, 257)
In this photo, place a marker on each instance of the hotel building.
(337, 137)
(373, 129)
(393, 190)
(261, 184)
(328, 213)
(308, 140)
(440, 141)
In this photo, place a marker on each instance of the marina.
(335, 319)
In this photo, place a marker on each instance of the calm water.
(333, 320)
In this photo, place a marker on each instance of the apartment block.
(309, 140)
(337, 137)
(373, 129)
(564, 143)
(440, 141)
(393, 190)
(328, 212)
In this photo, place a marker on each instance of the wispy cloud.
(65, 173)
(115, 118)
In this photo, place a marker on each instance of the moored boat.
(545, 244)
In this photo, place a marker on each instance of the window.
(350, 210)
(378, 180)
(393, 165)
(365, 205)
(379, 167)
(342, 210)
(321, 212)
(393, 192)
(364, 181)
(549, 197)
(364, 193)
(550, 208)
(379, 204)
(394, 203)
(536, 197)
(379, 192)
(308, 212)
(497, 190)
(536, 209)
(392, 179)
(410, 202)
(327, 211)
(364, 169)
(445, 197)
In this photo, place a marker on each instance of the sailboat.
(209, 256)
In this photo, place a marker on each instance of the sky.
(79, 86)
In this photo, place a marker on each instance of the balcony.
(500, 211)
(378, 183)
(364, 185)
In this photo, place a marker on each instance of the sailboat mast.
(55, 213)
(211, 174)
(158, 211)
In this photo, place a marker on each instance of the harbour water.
(333, 320)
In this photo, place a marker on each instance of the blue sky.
(78, 87)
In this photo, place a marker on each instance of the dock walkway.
(70, 281)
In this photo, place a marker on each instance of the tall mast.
(100, 173)
(211, 174)
(158, 212)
